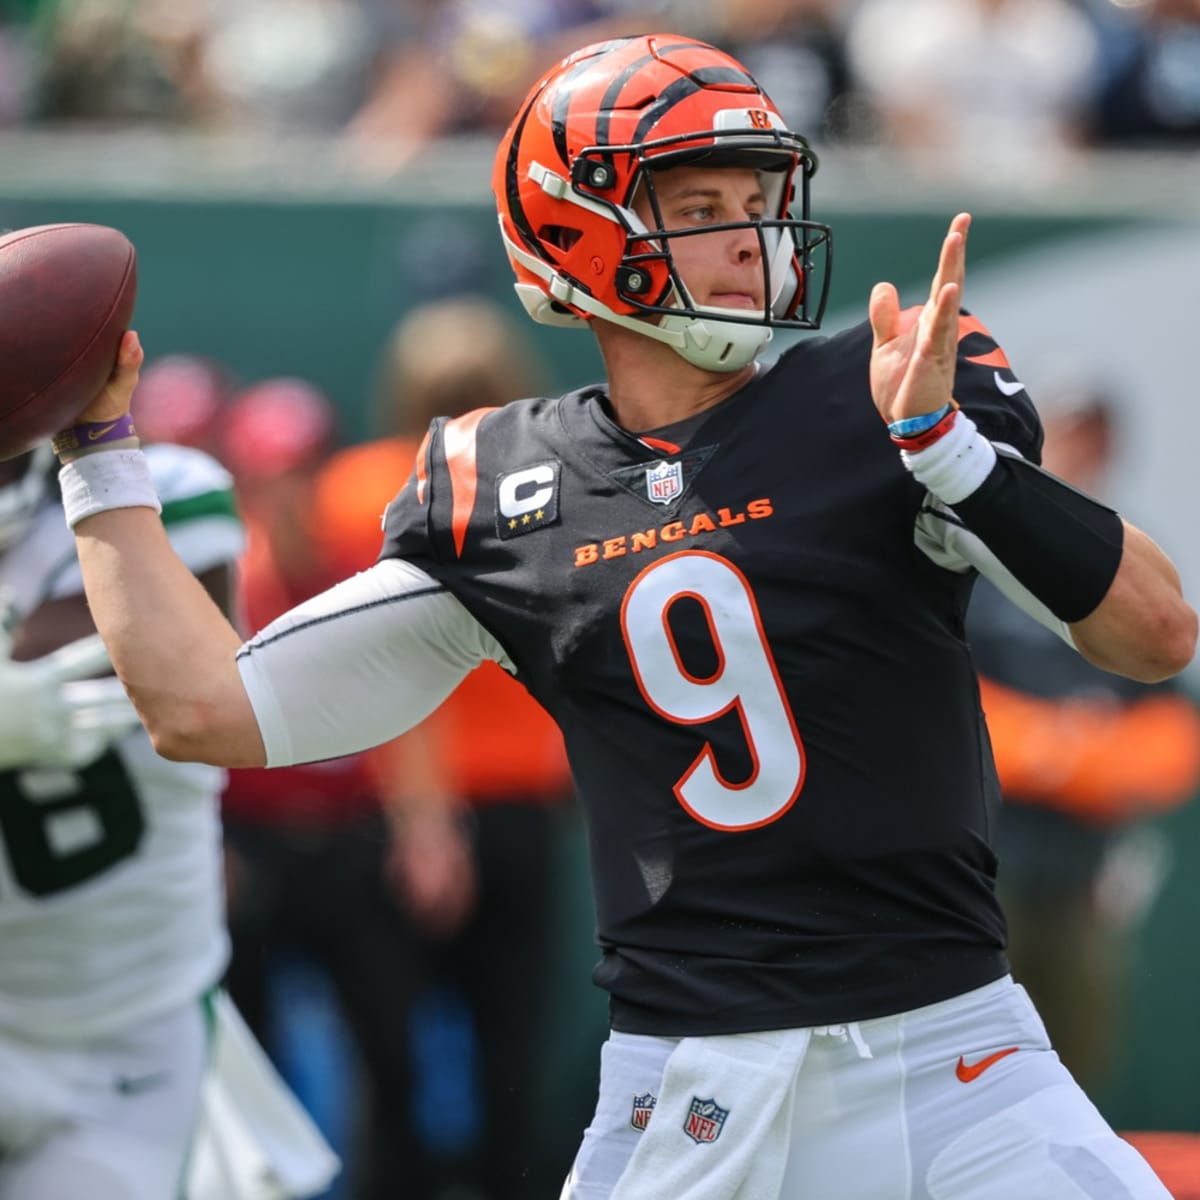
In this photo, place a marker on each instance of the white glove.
(52, 715)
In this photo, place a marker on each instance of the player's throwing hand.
(117, 394)
(914, 351)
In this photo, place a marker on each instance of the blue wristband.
(911, 426)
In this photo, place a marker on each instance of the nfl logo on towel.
(664, 481)
(704, 1120)
(643, 1106)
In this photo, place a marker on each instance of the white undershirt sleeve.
(360, 663)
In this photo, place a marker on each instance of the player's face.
(722, 269)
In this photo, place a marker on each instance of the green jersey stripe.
(219, 503)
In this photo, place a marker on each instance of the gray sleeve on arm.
(360, 663)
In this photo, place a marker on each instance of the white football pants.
(961, 1100)
(107, 1119)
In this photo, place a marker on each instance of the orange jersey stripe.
(421, 479)
(458, 439)
(993, 358)
(968, 325)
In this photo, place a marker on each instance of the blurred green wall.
(312, 289)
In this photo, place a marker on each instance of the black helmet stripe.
(712, 75)
(512, 185)
(669, 97)
(563, 96)
(613, 94)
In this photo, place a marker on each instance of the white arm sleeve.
(941, 538)
(360, 663)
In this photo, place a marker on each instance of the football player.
(112, 938)
(111, 931)
(739, 588)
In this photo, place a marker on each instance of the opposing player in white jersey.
(112, 935)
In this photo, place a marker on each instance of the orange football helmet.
(591, 133)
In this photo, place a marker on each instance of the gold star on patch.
(525, 519)
(513, 523)
(540, 514)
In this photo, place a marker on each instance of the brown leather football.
(66, 297)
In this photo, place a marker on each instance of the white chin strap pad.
(713, 344)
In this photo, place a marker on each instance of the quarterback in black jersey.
(739, 588)
(743, 647)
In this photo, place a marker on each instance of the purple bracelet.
(87, 434)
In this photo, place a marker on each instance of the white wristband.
(956, 464)
(94, 483)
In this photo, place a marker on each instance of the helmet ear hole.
(561, 237)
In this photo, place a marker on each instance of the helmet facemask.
(712, 337)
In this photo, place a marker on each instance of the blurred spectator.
(274, 65)
(1084, 758)
(306, 846)
(16, 61)
(286, 65)
(796, 50)
(1006, 83)
(471, 61)
(120, 64)
(181, 398)
(994, 85)
(1149, 93)
(474, 789)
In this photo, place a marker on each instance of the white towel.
(255, 1141)
(722, 1124)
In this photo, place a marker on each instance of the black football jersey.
(763, 685)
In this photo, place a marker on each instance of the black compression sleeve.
(1063, 546)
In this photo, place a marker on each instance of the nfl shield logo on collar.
(664, 481)
(704, 1120)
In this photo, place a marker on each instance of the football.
(66, 297)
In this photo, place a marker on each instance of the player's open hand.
(915, 350)
(117, 394)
